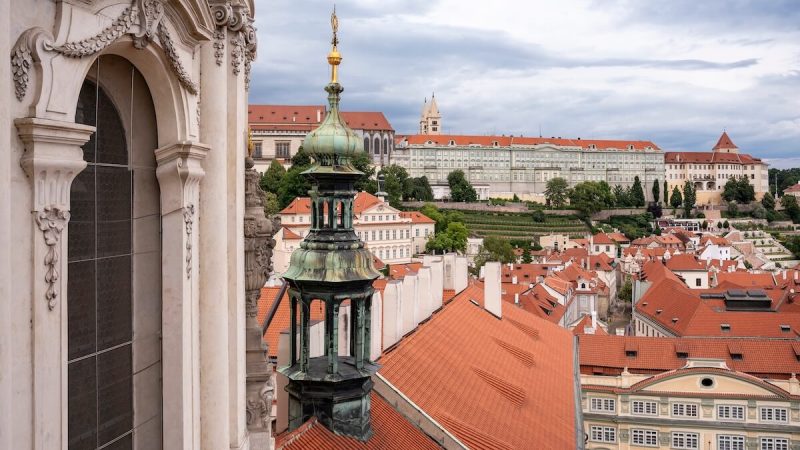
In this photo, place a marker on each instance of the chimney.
(516, 298)
(514, 279)
(319, 116)
(491, 289)
(594, 320)
(795, 274)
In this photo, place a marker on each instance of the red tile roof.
(399, 271)
(724, 142)
(619, 238)
(760, 357)
(525, 273)
(304, 118)
(793, 188)
(746, 279)
(282, 318)
(709, 158)
(494, 383)
(586, 322)
(508, 141)
(391, 430)
(302, 205)
(711, 239)
(685, 262)
(539, 302)
(289, 235)
(602, 238)
(416, 217)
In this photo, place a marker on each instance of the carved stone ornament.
(258, 408)
(244, 40)
(51, 222)
(148, 14)
(188, 219)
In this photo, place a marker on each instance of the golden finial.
(250, 146)
(334, 58)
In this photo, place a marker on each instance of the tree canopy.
(739, 189)
(556, 192)
(453, 238)
(637, 193)
(677, 199)
(656, 190)
(272, 177)
(495, 249)
(590, 197)
(689, 198)
(460, 189)
(768, 201)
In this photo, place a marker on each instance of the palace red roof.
(760, 357)
(521, 141)
(391, 430)
(724, 142)
(709, 158)
(685, 262)
(493, 383)
(416, 217)
(307, 117)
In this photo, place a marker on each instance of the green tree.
(666, 193)
(271, 179)
(271, 204)
(689, 198)
(460, 189)
(622, 197)
(526, 256)
(418, 189)
(538, 216)
(301, 158)
(739, 189)
(495, 249)
(590, 197)
(768, 201)
(363, 163)
(394, 183)
(454, 238)
(733, 209)
(726, 225)
(656, 190)
(759, 212)
(294, 184)
(792, 209)
(677, 199)
(637, 193)
(556, 192)
(625, 292)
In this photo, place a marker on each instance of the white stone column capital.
(52, 159)
(179, 172)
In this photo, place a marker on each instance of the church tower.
(332, 266)
(431, 120)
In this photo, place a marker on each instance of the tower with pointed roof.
(333, 266)
(430, 121)
(725, 144)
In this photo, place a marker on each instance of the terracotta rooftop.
(793, 188)
(302, 205)
(514, 375)
(724, 142)
(709, 158)
(685, 262)
(746, 279)
(586, 323)
(509, 141)
(399, 271)
(282, 318)
(603, 239)
(540, 303)
(391, 430)
(761, 357)
(289, 235)
(716, 240)
(525, 273)
(304, 118)
(416, 217)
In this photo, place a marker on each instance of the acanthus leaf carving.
(51, 222)
(188, 220)
(98, 42)
(174, 60)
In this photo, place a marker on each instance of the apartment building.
(689, 394)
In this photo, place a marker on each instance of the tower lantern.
(332, 266)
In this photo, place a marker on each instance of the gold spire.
(334, 57)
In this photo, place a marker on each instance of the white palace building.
(501, 166)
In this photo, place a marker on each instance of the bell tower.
(332, 266)
(431, 120)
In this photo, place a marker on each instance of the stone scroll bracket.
(241, 35)
(52, 159)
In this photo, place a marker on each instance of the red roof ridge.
(724, 142)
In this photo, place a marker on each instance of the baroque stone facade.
(154, 91)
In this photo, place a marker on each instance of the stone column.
(52, 159)
(179, 173)
(213, 263)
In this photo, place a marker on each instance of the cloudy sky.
(676, 72)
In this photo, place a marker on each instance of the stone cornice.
(179, 173)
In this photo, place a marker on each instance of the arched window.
(366, 144)
(113, 282)
(376, 146)
(385, 146)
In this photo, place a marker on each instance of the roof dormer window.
(452, 143)
(495, 143)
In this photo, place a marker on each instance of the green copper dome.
(333, 143)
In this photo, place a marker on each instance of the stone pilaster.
(179, 174)
(52, 159)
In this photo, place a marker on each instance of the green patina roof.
(333, 143)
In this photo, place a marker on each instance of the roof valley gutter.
(416, 407)
(580, 436)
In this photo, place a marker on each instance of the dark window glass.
(99, 301)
